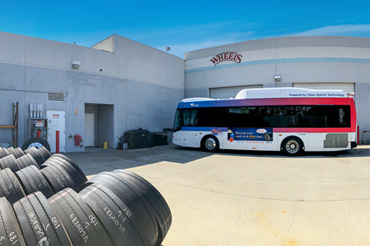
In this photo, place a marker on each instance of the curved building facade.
(306, 62)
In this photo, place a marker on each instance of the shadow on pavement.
(95, 160)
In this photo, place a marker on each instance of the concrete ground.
(252, 198)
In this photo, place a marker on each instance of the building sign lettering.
(226, 56)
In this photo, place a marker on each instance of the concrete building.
(308, 62)
(117, 85)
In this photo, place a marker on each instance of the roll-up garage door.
(347, 87)
(229, 92)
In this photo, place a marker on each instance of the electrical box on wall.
(37, 123)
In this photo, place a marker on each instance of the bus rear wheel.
(292, 146)
(210, 143)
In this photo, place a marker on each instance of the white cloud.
(339, 30)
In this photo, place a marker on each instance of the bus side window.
(189, 117)
(344, 116)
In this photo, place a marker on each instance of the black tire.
(10, 187)
(36, 155)
(72, 163)
(145, 185)
(55, 224)
(77, 178)
(18, 152)
(139, 206)
(81, 224)
(36, 142)
(3, 152)
(45, 153)
(26, 161)
(210, 143)
(10, 162)
(123, 229)
(58, 178)
(32, 180)
(39, 222)
(292, 146)
(10, 150)
(10, 230)
(155, 198)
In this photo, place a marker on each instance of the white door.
(89, 137)
(56, 126)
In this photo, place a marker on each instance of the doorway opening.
(99, 125)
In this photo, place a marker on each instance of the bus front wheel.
(210, 143)
(292, 146)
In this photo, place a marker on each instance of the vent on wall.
(56, 97)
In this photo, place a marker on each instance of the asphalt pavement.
(252, 198)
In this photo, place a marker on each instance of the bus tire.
(210, 143)
(292, 146)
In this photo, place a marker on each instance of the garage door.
(347, 87)
(229, 92)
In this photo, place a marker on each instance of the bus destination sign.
(339, 94)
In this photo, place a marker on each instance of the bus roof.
(265, 95)
(289, 92)
(196, 99)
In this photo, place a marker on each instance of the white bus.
(291, 120)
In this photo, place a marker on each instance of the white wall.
(144, 84)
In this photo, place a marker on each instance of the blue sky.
(183, 25)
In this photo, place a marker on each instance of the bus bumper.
(353, 145)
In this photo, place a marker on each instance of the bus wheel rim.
(210, 144)
(292, 146)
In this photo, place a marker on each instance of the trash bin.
(160, 138)
(138, 138)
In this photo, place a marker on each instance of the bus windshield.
(177, 124)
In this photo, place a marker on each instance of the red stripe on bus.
(313, 130)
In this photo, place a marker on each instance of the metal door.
(56, 130)
(89, 138)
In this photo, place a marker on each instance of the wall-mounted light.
(277, 78)
(76, 64)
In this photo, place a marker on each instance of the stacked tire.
(63, 208)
